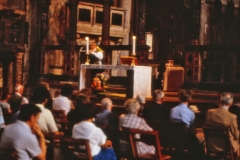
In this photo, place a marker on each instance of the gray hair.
(106, 102)
(158, 94)
(132, 106)
(141, 98)
(226, 98)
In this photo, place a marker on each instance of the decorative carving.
(141, 22)
(19, 66)
(12, 27)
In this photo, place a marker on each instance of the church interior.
(147, 45)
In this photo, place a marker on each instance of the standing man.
(96, 54)
(222, 117)
(24, 136)
(16, 100)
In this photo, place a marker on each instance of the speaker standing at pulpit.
(95, 54)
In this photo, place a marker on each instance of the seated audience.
(25, 136)
(131, 120)
(87, 130)
(141, 100)
(106, 118)
(156, 111)
(16, 100)
(46, 120)
(182, 113)
(62, 102)
(48, 105)
(74, 114)
(222, 117)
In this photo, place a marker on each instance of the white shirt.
(88, 130)
(46, 121)
(62, 103)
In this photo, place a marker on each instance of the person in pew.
(5, 110)
(106, 118)
(222, 117)
(86, 129)
(25, 136)
(74, 114)
(62, 102)
(235, 109)
(156, 111)
(131, 120)
(182, 113)
(16, 100)
(46, 120)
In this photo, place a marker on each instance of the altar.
(139, 78)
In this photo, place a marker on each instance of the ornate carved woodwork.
(141, 8)
(43, 7)
(19, 68)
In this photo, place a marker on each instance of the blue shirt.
(182, 113)
(102, 118)
(19, 136)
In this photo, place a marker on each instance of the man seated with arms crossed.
(222, 117)
(24, 136)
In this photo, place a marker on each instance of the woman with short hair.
(131, 120)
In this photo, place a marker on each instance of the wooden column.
(142, 52)
(73, 5)
(106, 30)
(193, 59)
(43, 19)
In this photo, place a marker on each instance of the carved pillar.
(19, 68)
(142, 50)
(73, 5)
(10, 77)
(43, 19)
(106, 29)
(193, 59)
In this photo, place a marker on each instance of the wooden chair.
(8, 154)
(147, 136)
(218, 137)
(76, 148)
(66, 126)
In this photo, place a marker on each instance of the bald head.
(18, 88)
(106, 103)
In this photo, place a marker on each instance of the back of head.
(132, 106)
(18, 88)
(27, 110)
(226, 99)
(40, 94)
(80, 100)
(66, 90)
(141, 98)
(158, 94)
(87, 111)
(106, 103)
(184, 95)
